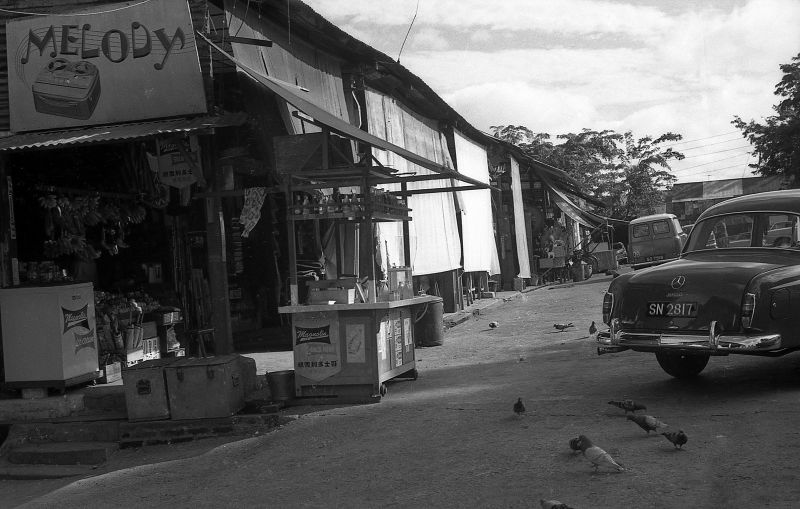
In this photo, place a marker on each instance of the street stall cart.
(354, 330)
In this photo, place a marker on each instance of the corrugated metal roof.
(117, 132)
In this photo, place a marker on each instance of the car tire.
(681, 365)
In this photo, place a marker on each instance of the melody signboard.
(116, 63)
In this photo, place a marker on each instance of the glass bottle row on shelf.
(350, 205)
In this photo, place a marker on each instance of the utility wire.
(712, 170)
(719, 151)
(709, 145)
(408, 32)
(712, 162)
(700, 139)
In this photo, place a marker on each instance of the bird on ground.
(647, 422)
(493, 325)
(519, 407)
(563, 326)
(597, 456)
(628, 405)
(553, 504)
(678, 438)
(575, 444)
(592, 329)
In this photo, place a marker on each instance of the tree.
(628, 174)
(777, 140)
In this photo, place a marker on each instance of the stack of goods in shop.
(123, 335)
(346, 205)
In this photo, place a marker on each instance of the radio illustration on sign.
(67, 89)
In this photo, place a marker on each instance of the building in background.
(688, 200)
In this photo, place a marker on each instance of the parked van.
(654, 239)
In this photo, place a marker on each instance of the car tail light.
(608, 306)
(748, 307)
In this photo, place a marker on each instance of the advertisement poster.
(398, 342)
(355, 334)
(103, 64)
(78, 331)
(317, 354)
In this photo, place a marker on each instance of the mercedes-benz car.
(735, 289)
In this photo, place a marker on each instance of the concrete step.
(76, 431)
(11, 471)
(61, 453)
(136, 434)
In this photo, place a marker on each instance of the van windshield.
(751, 230)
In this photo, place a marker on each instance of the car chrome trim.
(615, 340)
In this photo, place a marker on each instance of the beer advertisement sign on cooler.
(103, 64)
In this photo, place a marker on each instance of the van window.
(641, 230)
(660, 227)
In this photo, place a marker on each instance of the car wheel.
(681, 365)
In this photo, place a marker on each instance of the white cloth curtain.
(434, 241)
(520, 229)
(477, 230)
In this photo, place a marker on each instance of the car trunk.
(687, 294)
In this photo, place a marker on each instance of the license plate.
(672, 309)
(654, 258)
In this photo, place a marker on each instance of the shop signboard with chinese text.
(113, 63)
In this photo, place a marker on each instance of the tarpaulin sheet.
(434, 242)
(480, 248)
(520, 231)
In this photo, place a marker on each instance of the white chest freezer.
(49, 335)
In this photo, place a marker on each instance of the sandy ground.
(450, 438)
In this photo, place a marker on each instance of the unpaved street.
(450, 439)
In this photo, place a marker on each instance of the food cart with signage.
(353, 332)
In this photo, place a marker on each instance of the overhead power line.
(719, 151)
(712, 162)
(709, 144)
(700, 139)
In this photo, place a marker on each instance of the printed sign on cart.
(317, 354)
(356, 349)
(103, 64)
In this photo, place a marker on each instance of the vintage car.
(734, 289)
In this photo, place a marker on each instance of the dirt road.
(450, 439)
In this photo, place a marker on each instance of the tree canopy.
(776, 141)
(628, 174)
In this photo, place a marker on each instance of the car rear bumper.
(612, 341)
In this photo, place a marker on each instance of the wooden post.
(217, 261)
(406, 232)
(9, 269)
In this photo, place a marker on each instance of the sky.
(556, 67)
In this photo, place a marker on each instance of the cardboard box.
(340, 295)
(111, 373)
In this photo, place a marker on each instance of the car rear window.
(734, 230)
(660, 227)
(641, 230)
(781, 230)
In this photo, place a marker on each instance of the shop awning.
(118, 132)
(286, 91)
(568, 207)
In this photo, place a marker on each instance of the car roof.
(770, 201)
(652, 217)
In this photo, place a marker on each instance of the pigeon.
(575, 444)
(519, 407)
(592, 329)
(597, 456)
(553, 504)
(647, 422)
(628, 405)
(493, 325)
(678, 438)
(562, 326)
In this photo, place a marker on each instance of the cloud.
(514, 102)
